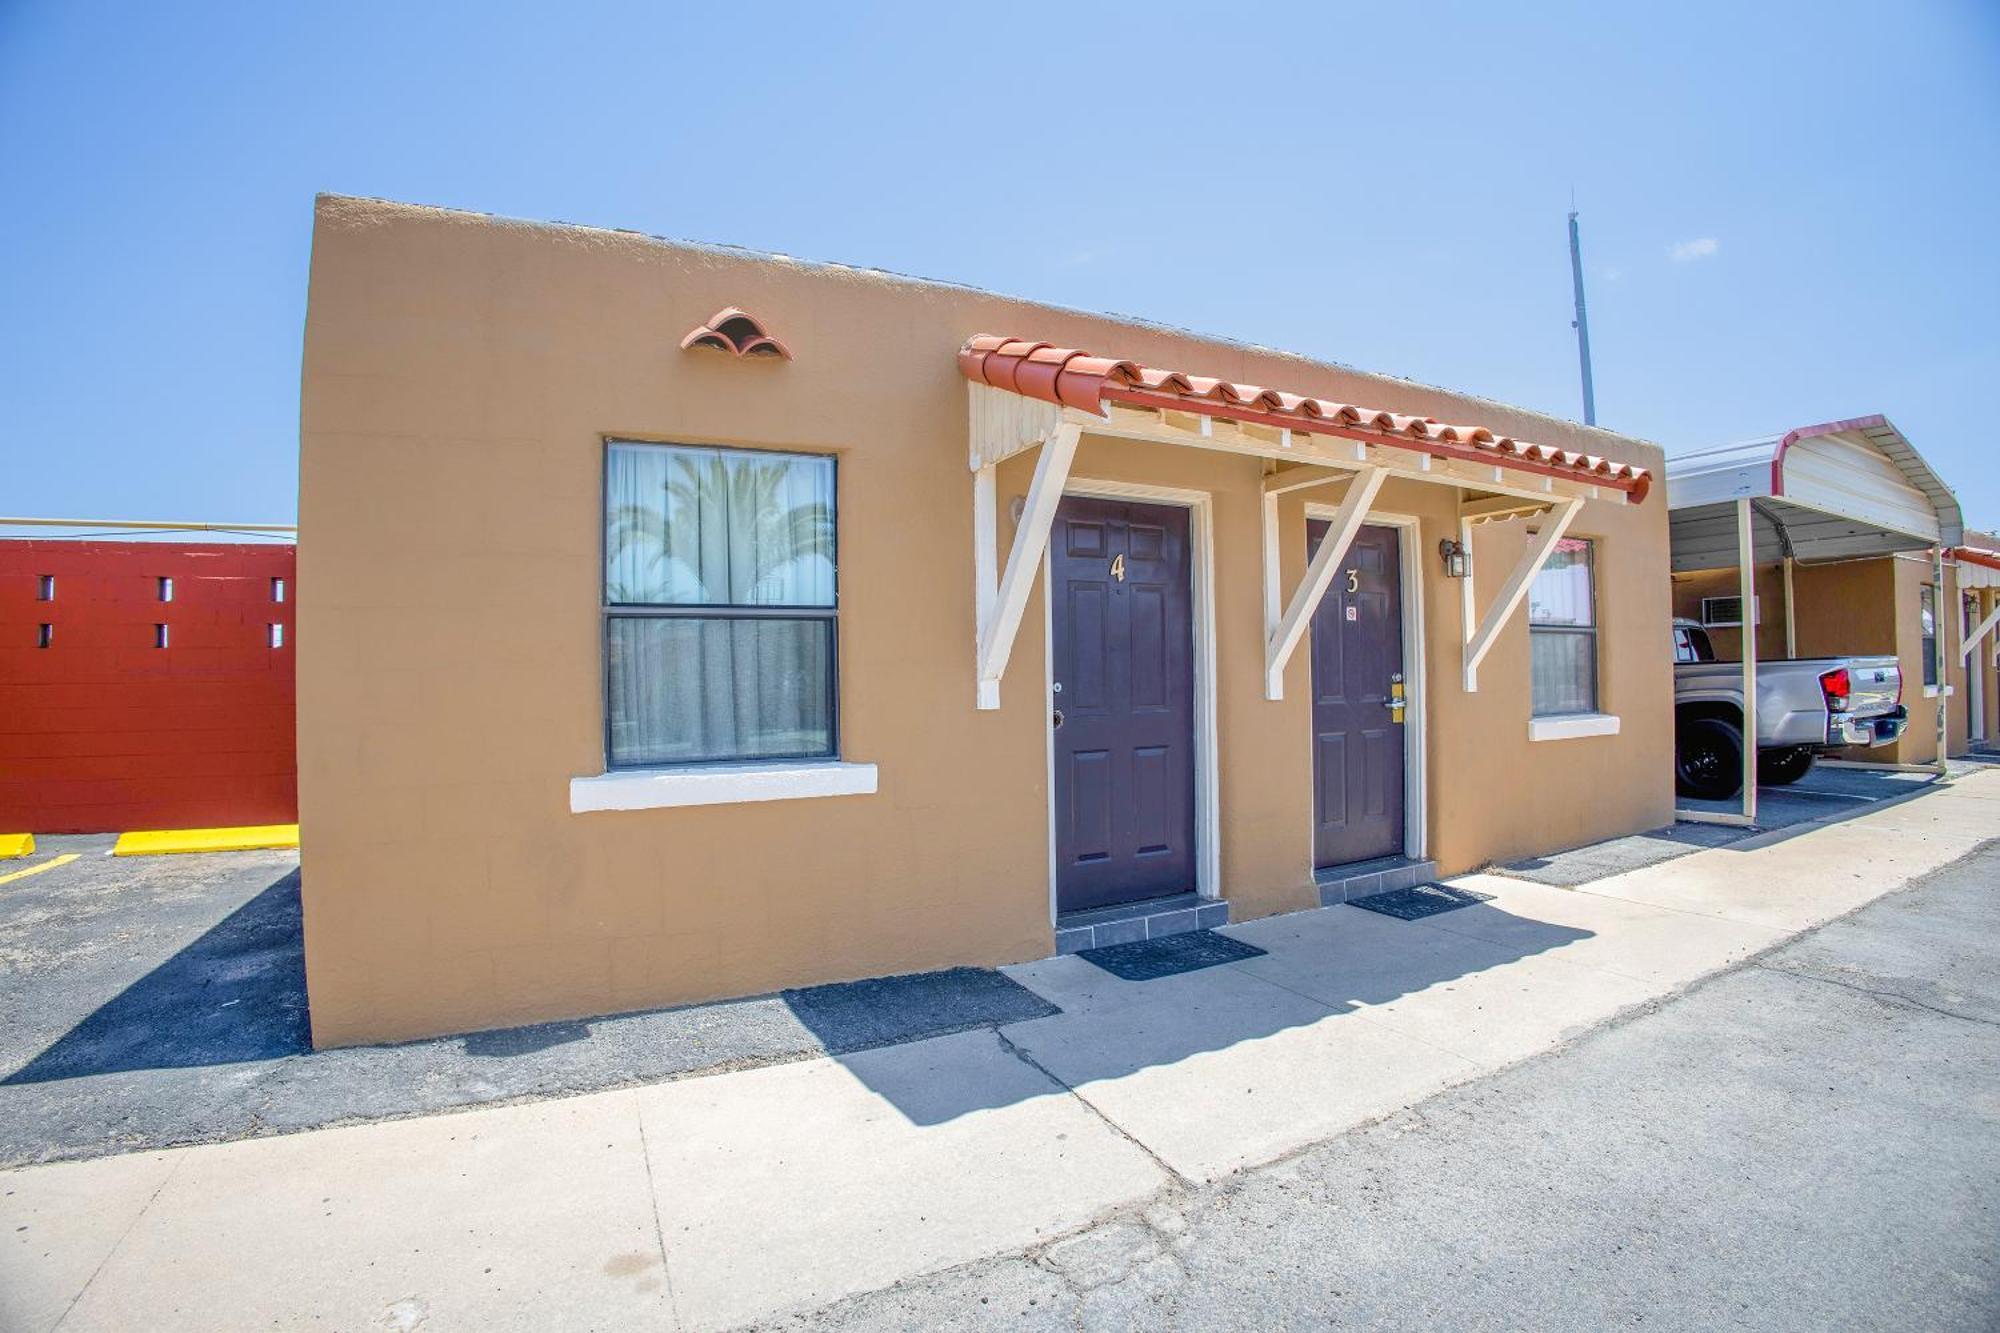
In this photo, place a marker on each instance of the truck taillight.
(1836, 687)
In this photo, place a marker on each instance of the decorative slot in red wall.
(277, 635)
(46, 591)
(159, 636)
(277, 590)
(45, 635)
(166, 589)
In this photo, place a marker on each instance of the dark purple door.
(1123, 707)
(1357, 660)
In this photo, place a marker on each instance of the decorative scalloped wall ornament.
(736, 332)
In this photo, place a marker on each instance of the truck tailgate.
(1874, 685)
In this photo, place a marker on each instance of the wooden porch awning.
(1032, 395)
(1069, 378)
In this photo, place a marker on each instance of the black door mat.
(1148, 960)
(885, 1011)
(1420, 900)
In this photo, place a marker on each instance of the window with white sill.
(1562, 632)
(720, 606)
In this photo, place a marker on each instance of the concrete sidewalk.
(714, 1201)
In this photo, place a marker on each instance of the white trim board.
(1572, 726)
(717, 784)
(1207, 782)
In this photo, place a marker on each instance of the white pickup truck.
(1804, 706)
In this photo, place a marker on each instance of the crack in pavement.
(1008, 1045)
(1883, 995)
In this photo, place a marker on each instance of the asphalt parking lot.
(157, 1001)
(1825, 795)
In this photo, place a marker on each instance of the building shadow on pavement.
(237, 993)
(214, 1041)
(1318, 969)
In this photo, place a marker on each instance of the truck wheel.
(1708, 759)
(1781, 768)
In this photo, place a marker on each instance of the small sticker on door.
(1354, 613)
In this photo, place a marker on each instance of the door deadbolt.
(1057, 719)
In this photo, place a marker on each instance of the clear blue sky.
(1791, 212)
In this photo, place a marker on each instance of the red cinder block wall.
(102, 731)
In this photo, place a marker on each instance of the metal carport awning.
(1840, 490)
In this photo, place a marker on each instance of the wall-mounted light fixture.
(1457, 561)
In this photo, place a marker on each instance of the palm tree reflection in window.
(721, 534)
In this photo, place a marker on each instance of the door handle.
(1057, 720)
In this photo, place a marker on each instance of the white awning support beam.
(999, 604)
(1979, 631)
(1514, 591)
(1300, 477)
(1291, 627)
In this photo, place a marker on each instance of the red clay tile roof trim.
(1071, 378)
(1977, 555)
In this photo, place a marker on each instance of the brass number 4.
(1354, 580)
(1118, 566)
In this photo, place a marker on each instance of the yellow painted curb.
(49, 864)
(16, 844)
(255, 838)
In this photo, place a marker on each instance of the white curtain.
(685, 690)
(717, 527)
(1560, 594)
(712, 527)
(1562, 637)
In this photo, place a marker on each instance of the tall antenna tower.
(1582, 322)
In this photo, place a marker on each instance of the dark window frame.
(1588, 632)
(1927, 593)
(609, 611)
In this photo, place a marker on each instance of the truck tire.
(1785, 767)
(1781, 768)
(1708, 759)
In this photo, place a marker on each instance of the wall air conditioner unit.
(1724, 612)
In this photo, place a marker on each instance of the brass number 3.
(1118, 567)
(1354, 580)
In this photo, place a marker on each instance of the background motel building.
(689, 623)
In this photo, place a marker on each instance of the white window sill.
(1572, 725)
(718, 784)
(1932, 691)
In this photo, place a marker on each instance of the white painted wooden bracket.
(1300, 477)
(999, 604)
(1480, 642)
(1291, 627)
(1980, 631)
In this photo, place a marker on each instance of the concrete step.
(1358, 879)
(1149, 920)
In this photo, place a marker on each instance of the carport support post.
(1791, 620)
(1746, 588)
(1938, 604)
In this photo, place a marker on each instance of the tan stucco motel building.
(691, 623)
